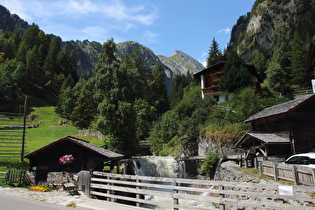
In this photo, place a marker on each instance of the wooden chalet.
(281, 130)
(210, 77)
(87, 157)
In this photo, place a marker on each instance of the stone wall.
(228, 172)
(207, 145)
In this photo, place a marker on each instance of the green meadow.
(50, 129)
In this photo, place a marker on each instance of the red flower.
(66, 159)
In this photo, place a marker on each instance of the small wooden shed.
(84, 156)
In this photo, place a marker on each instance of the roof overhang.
(84, 144)
(251, 139)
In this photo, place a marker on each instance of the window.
(293, 160)
(312, 161)
(304, 160)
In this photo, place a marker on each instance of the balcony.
(211, 89)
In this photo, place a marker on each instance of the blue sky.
(161, 25)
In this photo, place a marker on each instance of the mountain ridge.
(87, 51)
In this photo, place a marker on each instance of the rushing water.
(159, 166)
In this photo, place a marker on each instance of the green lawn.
(49, 130)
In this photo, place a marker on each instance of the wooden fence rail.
(2, 175)
(16, 177)
(295, 173)
(197, 194)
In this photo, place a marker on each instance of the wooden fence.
(196, 194)
(12, 133)
(295, 173)
(2, 175)
(16, 177)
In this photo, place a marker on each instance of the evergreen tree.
(83, 114)
(158, 93)
(12, 76)
(116, 116)
(34, 72)
(278, 72)
(180, 83)
(235, 75)
(215, 54)
(298, 59)
(259, 60)
(29, 40)
(50, 67)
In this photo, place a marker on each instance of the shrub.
(210, 162)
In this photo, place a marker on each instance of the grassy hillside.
(49, 130)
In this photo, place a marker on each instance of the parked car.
(306, 159)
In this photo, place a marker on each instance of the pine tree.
(215, 54)
(50, 67)
(83, 114)
(158, 93)
(235, 75)
(298, 59)
(259, 60)
(34, 72)
(278, 72)
(116, 116)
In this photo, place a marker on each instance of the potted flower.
(67, 159)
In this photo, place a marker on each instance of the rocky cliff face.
(254, 30)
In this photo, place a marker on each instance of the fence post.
(137, 195)
(7, 176)
(176, 202)
(261, 168)
(222, 205)
(313, 175)
(108, 191)
(295, 176)
(275, 171)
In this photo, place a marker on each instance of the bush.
(210, 162)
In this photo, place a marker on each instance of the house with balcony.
(210, 77)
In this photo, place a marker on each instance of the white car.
(306, 159)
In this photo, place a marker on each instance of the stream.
(160, 166)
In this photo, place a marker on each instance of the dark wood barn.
(87, 157)
(282, 130)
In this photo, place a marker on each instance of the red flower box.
(67, 159)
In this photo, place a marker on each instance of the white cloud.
(150, 37)
(203, 58)
(95, 20)
(226, 31)
(95, 33)
(82, 7)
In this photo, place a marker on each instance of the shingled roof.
(101, 151)
(264, 138)
(282, 109)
